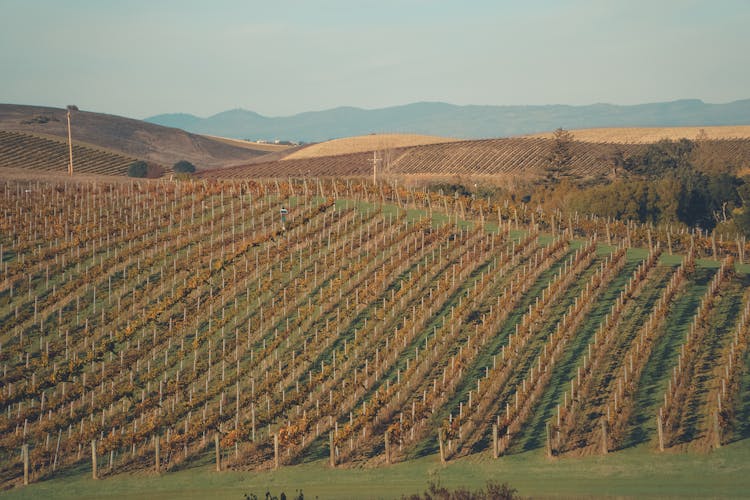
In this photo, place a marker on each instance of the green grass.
(635, 473)
(670, 260)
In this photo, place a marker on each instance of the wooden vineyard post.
(494, 440)
(548, 441)
(713, 244)
(717, 430)
(669, 240)
(605, 449)
(276, 451)
(157, 459)
(387, 448)
(741, 251)
(442, 447)
(218, 452)
(25, 453)
(331, 449)
(660, 430)
(57, 450)
(93, 459)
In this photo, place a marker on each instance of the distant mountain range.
(448, 120)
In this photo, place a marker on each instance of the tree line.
(671, 182)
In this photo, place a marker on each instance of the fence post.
(717, 430)
(93, 459)
(494, 440)
(660, 430)
(25, 453)
(276, 451)
(217, 446)
(331, 449)
(442, 447)
(157, 458)
(387, 448)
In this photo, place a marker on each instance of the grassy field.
(634, 473)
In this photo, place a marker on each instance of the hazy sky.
(143, 57)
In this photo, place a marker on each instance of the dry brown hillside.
(128, 137)
(645, 135)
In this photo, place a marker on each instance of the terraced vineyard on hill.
(519, 156)
(150, 326)
(515, 157)
(27, 151)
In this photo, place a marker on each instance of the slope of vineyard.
(27, 151)
(365, 143)
(128, 137)
(516, 156)
(513, 157)
(151, 326)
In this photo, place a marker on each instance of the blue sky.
(139, 58)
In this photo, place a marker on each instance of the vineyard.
(482, 157)
(27, 151)
(514, 157)
(153, 326)
(492, 158)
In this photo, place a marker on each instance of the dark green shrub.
(138, 169)
(184, 167)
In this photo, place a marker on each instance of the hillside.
(127, 137)
(365, 143)
(32, 152)
(499, 158)
(465, 122)
(646, 135)
(156, 325)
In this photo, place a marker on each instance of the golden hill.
(127, 137)
(363, 143)
(646, 135)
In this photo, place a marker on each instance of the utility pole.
(70, 139)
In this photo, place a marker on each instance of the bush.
(184, 167)
(494, 491)
(138, 169)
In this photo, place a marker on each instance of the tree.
(138, 168)
(184, 167)
(742, 215)
(560, 157)
(617, 161)
(661, 158)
